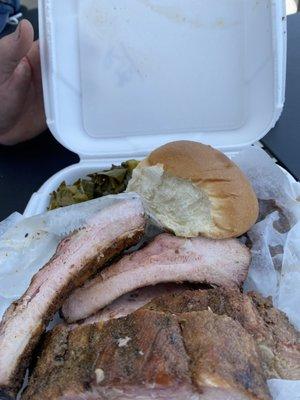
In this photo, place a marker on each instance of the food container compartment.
(205, 70)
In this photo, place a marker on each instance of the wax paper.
(284, 390)
(275, 240)
(26, 244)
(29, 243)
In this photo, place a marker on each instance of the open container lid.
(123, 77)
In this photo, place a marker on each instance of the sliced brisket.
(166, 259)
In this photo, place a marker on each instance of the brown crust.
(60, 345)
(219, 329)
(162, 350)
(223, 353)
(234, 203)
(91, 267)
(277, 340)
(69, 359)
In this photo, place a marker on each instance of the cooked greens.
(103, 183)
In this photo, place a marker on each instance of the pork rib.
(278, 342)
(80, 255)
(150, 355)
(224, 358)
(166, 259)
(132, 301)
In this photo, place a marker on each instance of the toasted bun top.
(234, 206)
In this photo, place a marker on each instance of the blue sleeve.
(7, 8)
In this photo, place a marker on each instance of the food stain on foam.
(126, 63)
(172, 13)
(97, 17)
(177, 15)
(220, 23)
(123, 59)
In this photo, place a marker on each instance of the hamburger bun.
(192, 189)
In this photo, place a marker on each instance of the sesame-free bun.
(193, 189)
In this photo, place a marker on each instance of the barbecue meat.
(76, 259)
(150, 355)
(278, 342)
(166, 259)
(123, 354)
(132, 301)
(224, 359)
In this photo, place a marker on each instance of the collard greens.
(103, 183)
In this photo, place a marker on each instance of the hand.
(22, 113)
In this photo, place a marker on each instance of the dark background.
(25, 167)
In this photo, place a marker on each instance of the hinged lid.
(123, 77)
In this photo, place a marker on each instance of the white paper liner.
(284, 390)
(274, 275)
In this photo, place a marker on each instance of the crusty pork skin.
(223, 356)
(77, 257)
(277, 340)
(150, 355)
(166, 259)
(132, 301)
(125, 352)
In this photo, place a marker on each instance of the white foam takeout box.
(122, 77)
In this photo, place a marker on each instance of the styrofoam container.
(123, 77)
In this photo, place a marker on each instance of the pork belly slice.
(166, 259)
(277, 340)
(150, 355)
(132, 301)
(77, 257)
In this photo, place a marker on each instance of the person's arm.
(22, 113)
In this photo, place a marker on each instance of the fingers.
(13, 94)
(22, 113)
(19, 84)
(34, 60)
(21, 101)
(13, 48)
(34, 55)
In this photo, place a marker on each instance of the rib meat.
(132, 301)
(223, 357)
(150, 355)
(278, 342)
(166, 259)
(76, 259)
(121, 354)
